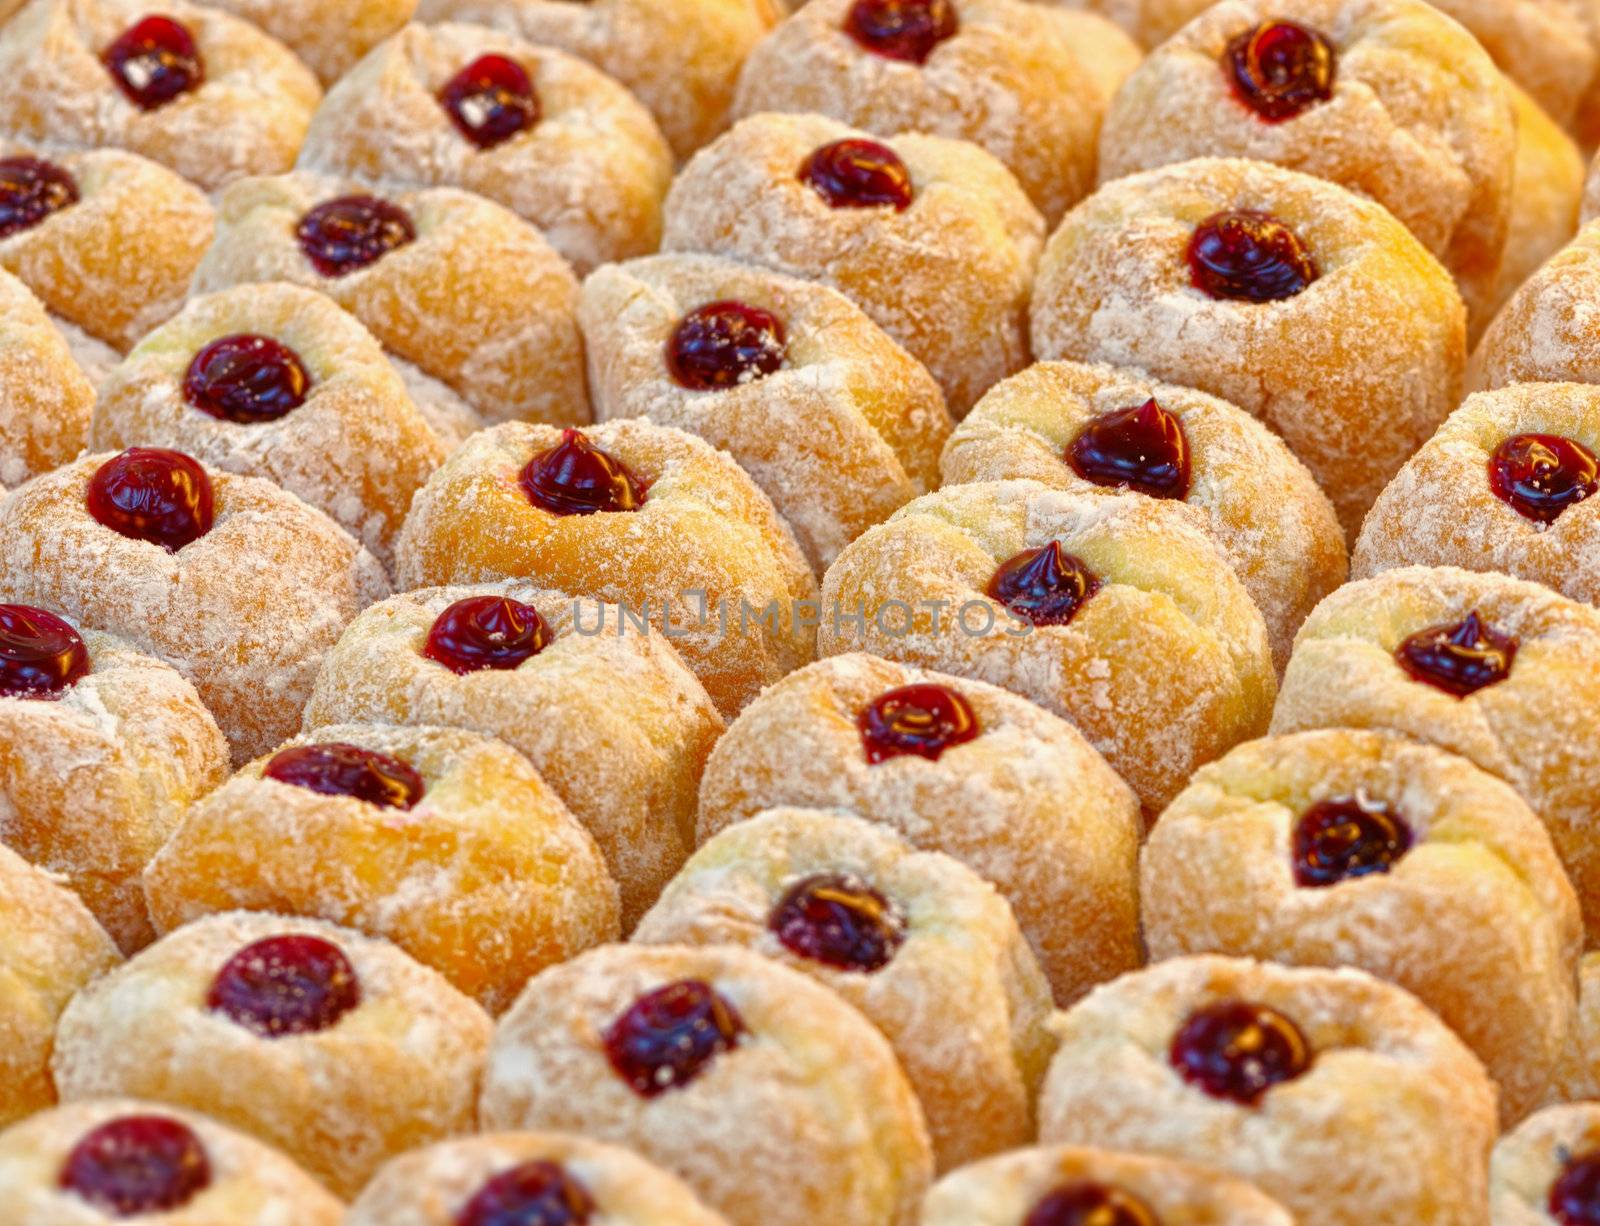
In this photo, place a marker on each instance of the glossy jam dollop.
(901, 29)
(1239, 1050)
(858, 174)
(1086, 1203)
(669, 1037)
(723, 344)
(577, 478)
(31, 189)
(154, 61)
(490, 100)
(1542, 475)
(1575, 1194)
(535, 1193)
(335, 768)
(40, 655)
(838, 919)
(1346, 837)
(486, 632)
(1046, 586)
(1249, 257)
(137, 1165)
(349, 233)
(148, 494)
(1280, 69)
(924, 720)
(1142, 448)
(286, 985)
(1460, 658)
(246, 379)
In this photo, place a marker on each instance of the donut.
(447, 843)
(1580, 1077)
(102, 748)
(329, 36)
(194, 88)
(85, 1164)
(926, 950)
(1546, 190)
(1546, 1171)
(477, 311)
(546, 1177)
(1351, 848)
(833, 420)
(632, 513)
(1107, 54)
(1501, 671)
(235, 582)
(933, 238)
(959, 767)
(1081, 602)
(1544, 333)
(1148, 23)
(755, 1085)
(538, 130)
(1083, 427)
(1548, 47)
(333, 1046)
(1335, 1093)
(1274, 290)
(45, 396)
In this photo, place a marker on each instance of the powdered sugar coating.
(329, 36)
(1528, 1160)
(45, 398)
(1549, 330)
(1546, 189)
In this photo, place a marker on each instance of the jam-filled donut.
(1083, 427)
(1353, 848)
(497, 878)
(630, 512)
(196, 89)
(476, 309)
(336, 1047)
(45, 396)
(1333, 1092)
(751, 1082)
(233, 580)
(1503, 485)
(1063, 1185)
(122, 1159)
(1543, 333)
(537, 1178)
(1546, 1171)
(538, 130)
(1079, 601)
(958, 767)
(836, 423)
(1546, 190)
(1499, 670)
(102, 749)
(928, 952)
(329, 36)
(623, 727)
(1274, 290)
(933, 238)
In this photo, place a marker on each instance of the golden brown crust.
(1148, 22)
(329, 36)
(1581, 1074)
(1529, 1159)
(1548, 331)
(1546, 190)
(1546, 46)
(45, 397)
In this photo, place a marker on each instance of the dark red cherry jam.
(335, 768)
(1541, 475)
(1248, 256)
(40, 655)
(901, 29)
(534, 1194)
(858, 174)
(486, 632)
(838, 919)
(163, 497)
(286, 985)
(1575, 1195)
(490, 100)
(154, 61)
(136, 1165)
(1335, 840)
(669, 1036)
(1280, 69)
(30, 190)
(1142, 448)
(348, 233)
(1085, 1203)
(723, 344)
(576, 478)
(1461, 658)
(1046, 586)
(246, 379)
(1237, 1049)
(924, 720)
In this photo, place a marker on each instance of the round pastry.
(833, 420)
(1545, 193)
(101, 750)
(1080, 428)
(45, 397)
(537, 1178)
(336, 1047)
(234, 581)
(1108, 55)
(1545, 332)
(1149, 23)
(1546, 1172)
(193, 88)
(1502, 671)
(932, 237)
(632, 513)
(1547, 47)
(1081, 602)
(91, 1164)
(623, 727)
(1502, 486)
(1581, 1075)
(928, 952)
(755, 1085)
(445, 842)
(477, 311)
(1066, 1186)
(276, 381)
(329, 36)
(958, 767)
(679, 57)
(1333, 1092)
(107, 240)
(1287, 295)
(539, 130)
(1350, 848)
